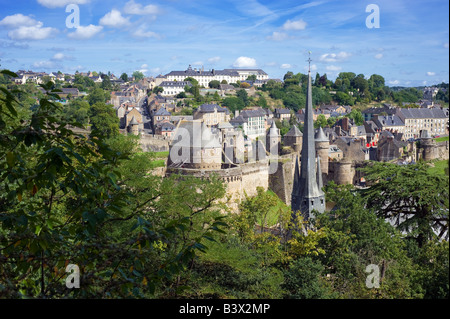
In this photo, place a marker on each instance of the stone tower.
(273, 140)
(294, 139)
(322, 148)
(428, 146)
(134, 126)
(306, 193)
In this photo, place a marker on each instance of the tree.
(356, 116)
(124, 77)
(321, 121)
(243, 96)
(214, 84)
(76, 111)
(251, 78)
(157, 90)
(193, 81)
(104, 120)
(303, 280)
(67, 198)
(138, 75)
(233, 103)
(97, 95)
(416, 200)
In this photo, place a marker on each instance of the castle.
(294, 167)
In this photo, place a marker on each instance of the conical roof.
(425, 134)
(294, 131)
(320, 136)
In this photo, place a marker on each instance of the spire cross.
(309, 61)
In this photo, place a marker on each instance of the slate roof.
(282, 111)
(389, 120)
(422, 113)
(175, 84)
(253, 113)
(162, 112)
(294, 131)
(209, 108)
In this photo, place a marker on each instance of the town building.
(435, 120)
(212, 114)
(204, 77)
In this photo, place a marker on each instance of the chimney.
(236, 113)
(337, 129)
(345, 123)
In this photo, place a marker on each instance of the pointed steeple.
(307, 194)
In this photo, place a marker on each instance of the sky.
(407, 42)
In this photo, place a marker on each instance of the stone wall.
(282, 180)
(150, 143)
(239, 180)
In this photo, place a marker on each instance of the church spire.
(308, 196)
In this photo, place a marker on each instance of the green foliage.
(124, 77)
(138, 75)
(104, 120)
(415, 199)
(76, 111)
(214, 84)
(303, 280)
(97, 95)
(233, 103)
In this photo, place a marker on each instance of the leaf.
(34, 190)
(10, 159)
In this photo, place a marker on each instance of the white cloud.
(60, 3)
(83, 33)
(18, 20)
(431, 73)
(214, 59)
(446, 45)
(58, 57)
(36, 32)
(394, 82)
(45, 65)
(313, 67)
(142, 33)
(244, 62)
(114, 19)
(379, 56)
(132, 7)
(333, 68)
(277, 36)
(155, 70)
(285, 66)
(333, 57)
(271, 64)
(294, 25)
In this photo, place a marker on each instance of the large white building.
(204, 77)
(173, 87)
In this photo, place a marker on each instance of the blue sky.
(410, 48)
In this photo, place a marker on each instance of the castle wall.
(342, 172)
(442, 150)
(281, 181)
(149, 143)
(239, 181)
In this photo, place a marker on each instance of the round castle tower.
(322, 149)
(428, 146)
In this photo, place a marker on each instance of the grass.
(439, 167)
(162, 154)
(158, 163)
(272, 217)
(441, 139)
